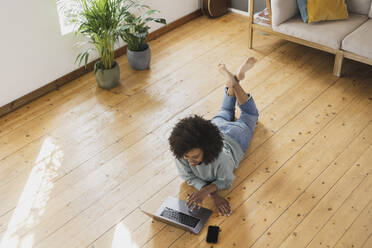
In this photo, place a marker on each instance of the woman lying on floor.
(208, 151)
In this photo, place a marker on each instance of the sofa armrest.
(283, 10)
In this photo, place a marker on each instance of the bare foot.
(248, 64)
(231, 81)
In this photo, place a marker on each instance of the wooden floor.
(77, 165)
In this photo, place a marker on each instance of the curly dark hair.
(196, 132)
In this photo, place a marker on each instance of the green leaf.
(160, 20)
(77, 58)
(86, 59)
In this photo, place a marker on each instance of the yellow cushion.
(326, 10)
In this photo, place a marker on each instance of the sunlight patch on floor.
(34, 197)
(122, 237)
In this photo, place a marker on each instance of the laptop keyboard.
(179, 217)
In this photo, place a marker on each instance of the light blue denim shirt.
(219, 172)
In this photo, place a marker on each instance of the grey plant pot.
(139, 60)
(108, 79)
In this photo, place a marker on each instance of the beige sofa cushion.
(370, 12)
(329, 33)
(358, 6)
(359, 41)
(283, 10)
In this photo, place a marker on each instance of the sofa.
(350, 38)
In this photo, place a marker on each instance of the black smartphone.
(212, 235)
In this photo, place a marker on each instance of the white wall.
(34, 52)
(244, 5)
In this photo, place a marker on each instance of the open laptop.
(175, 212)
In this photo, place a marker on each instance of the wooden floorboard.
(342, 169)
(77, 164)
(368, 242)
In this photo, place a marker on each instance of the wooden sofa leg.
(250, 22)
(338, 64)
(250, 36)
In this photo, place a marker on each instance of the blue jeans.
(241, 129)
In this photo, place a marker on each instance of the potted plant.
(102, 23)
(135, 33)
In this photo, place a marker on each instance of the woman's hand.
(222, 205)
(195, 199)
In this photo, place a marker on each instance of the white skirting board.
(239, 12)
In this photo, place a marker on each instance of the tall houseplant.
(102, 23)
(135, 33)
